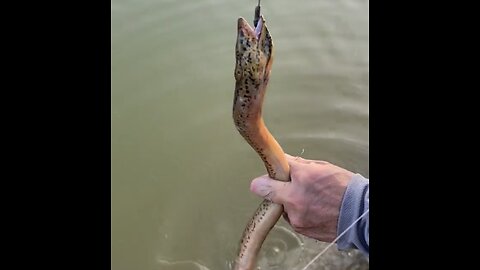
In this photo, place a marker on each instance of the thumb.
(270, 189)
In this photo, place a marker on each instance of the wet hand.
(312, 199)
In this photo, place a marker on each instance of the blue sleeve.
(354, 204)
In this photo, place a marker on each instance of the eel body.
(254, 57)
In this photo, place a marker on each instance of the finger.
(292, 160)
(273, 190)
(290, 157)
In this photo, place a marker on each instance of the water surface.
(180, 171)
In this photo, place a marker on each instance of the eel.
(254, 58)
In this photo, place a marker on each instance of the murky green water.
(180, 170)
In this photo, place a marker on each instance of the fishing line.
(333, 242)
(257, 15)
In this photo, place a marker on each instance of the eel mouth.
(253, 50)
(259, 37)
(243, 25)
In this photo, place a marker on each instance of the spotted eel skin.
(254, 57)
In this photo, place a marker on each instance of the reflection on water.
(180, 170)
(281, 250)
(285, 249)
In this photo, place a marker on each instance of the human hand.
(312, 199)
